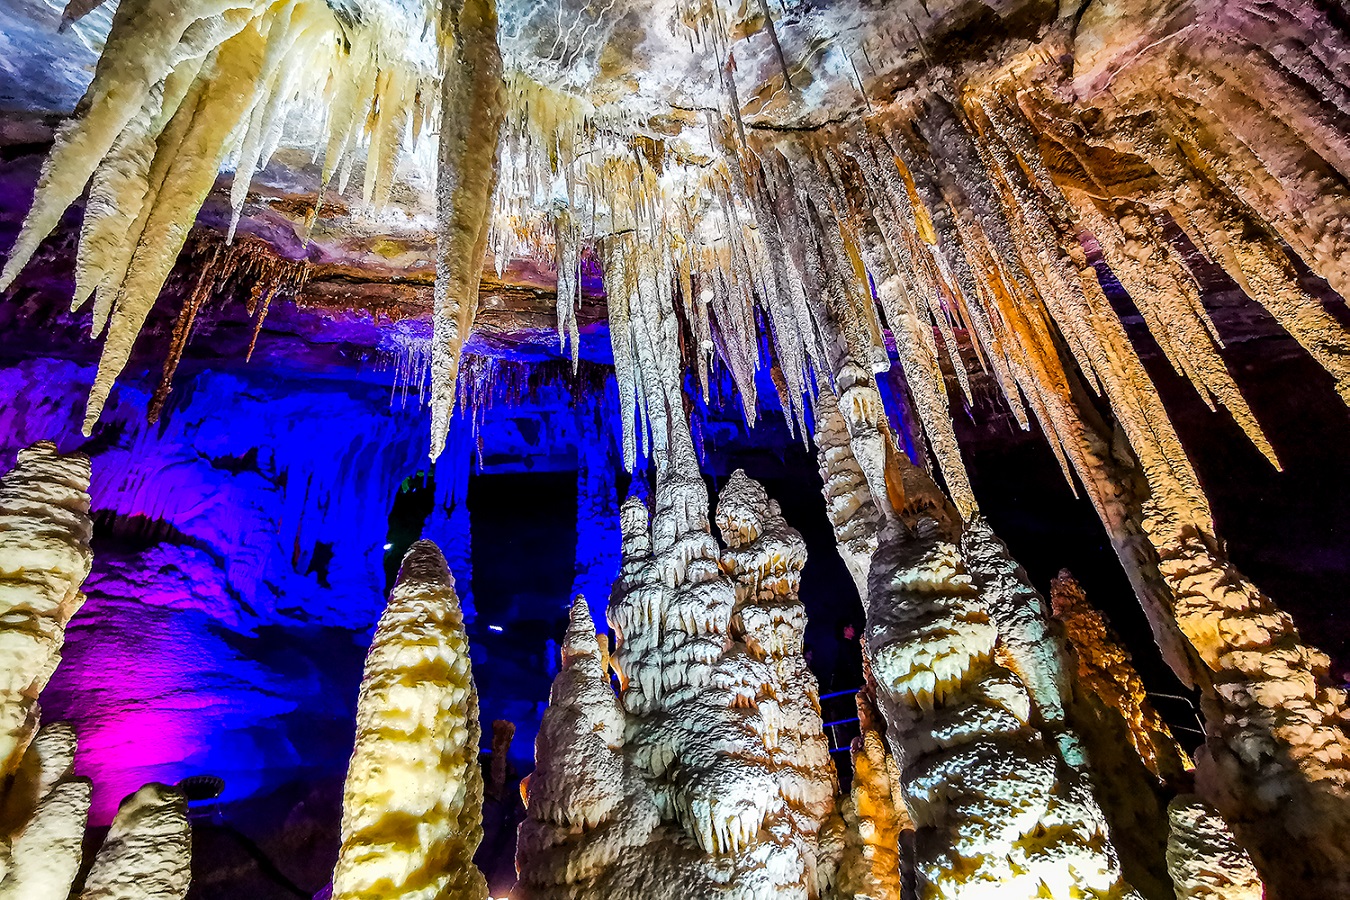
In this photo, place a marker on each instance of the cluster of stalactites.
(412, 809)
(184, 89)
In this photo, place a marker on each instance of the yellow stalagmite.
(413, 806)
(44, 559)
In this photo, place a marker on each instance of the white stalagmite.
(766, 556)
(585, 806)
(44, 559)
(45, 810)
(1204, 860)
(45, 855)
(473, 107)
(413, 805)
(996, 812)
(147, 854)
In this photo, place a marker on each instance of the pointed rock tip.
(424, 564)
(580, 638)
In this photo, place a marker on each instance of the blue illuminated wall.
(239, 569)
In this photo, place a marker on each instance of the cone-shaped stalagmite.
(412, 812)
(582, 812)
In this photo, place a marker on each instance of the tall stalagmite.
(44, 559)
(583, 811)
(147, 854)
(412, 812)
(996, 812)
(874, 817)
(1124, 736)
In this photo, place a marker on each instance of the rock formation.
(45, 811)
(1205, 862)
(583, 817)
(44, 558)
(1108, 681)
(995, 810)
(1123, 735)
(874, 817)
(147, 853)
(412, 809)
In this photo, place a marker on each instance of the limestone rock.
(413, 805)
(44, 558)
(1205, 861)
(147, 853)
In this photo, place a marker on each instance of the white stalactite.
(473, 107)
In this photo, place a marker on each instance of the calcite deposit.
(867, 226)
(45, 812)
(1205, 862)
(412, 812)
(147, 853)
(44, 559)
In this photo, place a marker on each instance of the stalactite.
(44, 559)
(412, 809)
(472, 112)
(848, 498)
(147, 853)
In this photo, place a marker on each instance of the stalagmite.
(472, 111)
(585, 807)
(147, 853)
(1204, 860)
(848, 498)
(765, 556)
(44, 559)
(995, 813)
(1124, 736)
(1107, 676)
(412, 809)
(874, 818)
(45, 810)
